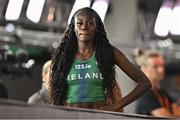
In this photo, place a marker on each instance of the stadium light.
(175, 25)
(34, 10)
(164, 19)
(101, 6)
(13, 9)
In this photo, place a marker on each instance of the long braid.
(61, 63)
(105, 58)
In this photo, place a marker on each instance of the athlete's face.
(85, 27)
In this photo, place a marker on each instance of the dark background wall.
(21, 87)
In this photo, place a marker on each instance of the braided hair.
(63, 58)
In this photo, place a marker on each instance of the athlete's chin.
(85, 40)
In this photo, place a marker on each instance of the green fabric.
(85, 82)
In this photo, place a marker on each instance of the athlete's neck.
(85, 49)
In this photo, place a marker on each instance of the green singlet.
(85, 82)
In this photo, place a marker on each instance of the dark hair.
(63, 58)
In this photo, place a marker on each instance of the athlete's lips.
(84, 33)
